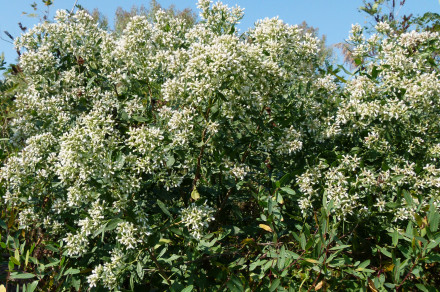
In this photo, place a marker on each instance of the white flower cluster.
(290, 142)
(109, 272)
(129, 235)
(196, 219)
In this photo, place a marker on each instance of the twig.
(161, 271)
(222, 205)
(5, 40)
(74, 5)
(199, 160)
(407, 275)
(314, 282)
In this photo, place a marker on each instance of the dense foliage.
(187, 156)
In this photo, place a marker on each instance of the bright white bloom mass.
(196, 219)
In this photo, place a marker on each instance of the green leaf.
(72, 271)
(32, 286)
(283, 180)
(90, 83)
(282, 258)
(132, 282)
(339, 247)
(433, 244)
(375, 72)
(140, 270)
(17, 255)
(363, 265)
(270, 205)
(139, 118)
(422, 287)
(120, 160)
(303, 241)
(26, 259)
(234, 284)
(409, 229)
(14, 261)
(274, 285)
(434, 220)
(188, 288)
(288, 191)
(395, 237)
(398, 177)
(52, 248)
(54, 263)
(15, 275)
(163, 208)
(385, 252)
(113, 223)
(76, 283)
(433, 258)
(170, 160)
(407, 197)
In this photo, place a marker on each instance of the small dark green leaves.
(3, 224)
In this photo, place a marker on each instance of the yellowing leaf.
(319, 285)
(312, 261)
(389, 268)
(247, 241)
(265, 227)
(371, 286)
(195, 194)
(2, 288)
(164, 240)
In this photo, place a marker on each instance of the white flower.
(380, 204)
(196, 219)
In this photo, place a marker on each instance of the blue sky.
(332, 17)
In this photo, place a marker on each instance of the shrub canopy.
(189, 155)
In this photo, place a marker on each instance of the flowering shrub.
(179, 156)
(385, 130)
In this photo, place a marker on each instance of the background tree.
(122, 17)
(326, 52)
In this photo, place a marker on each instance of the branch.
(199, 160)
(161, 271)
(74, 5)
(409, 273)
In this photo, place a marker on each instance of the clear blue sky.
(332, 17)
